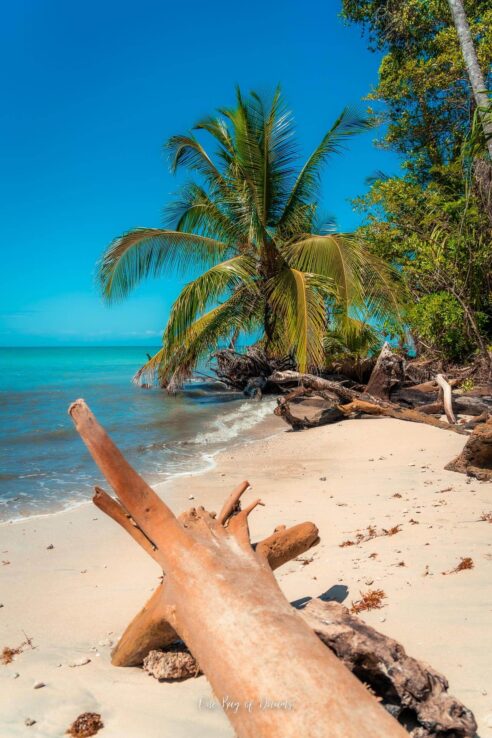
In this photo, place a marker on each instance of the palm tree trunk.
(475, 74)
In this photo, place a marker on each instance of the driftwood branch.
(446, 397)
(232, 505)
(115, 510)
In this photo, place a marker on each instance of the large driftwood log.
(218, 590)
(313, 382)
(413, 416)
(335, 401)
(150, 629)
(412, 691)
(306, 409)
(476, 458)
(387, 375)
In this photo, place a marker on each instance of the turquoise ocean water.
(44, 466)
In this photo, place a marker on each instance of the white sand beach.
(72, 581)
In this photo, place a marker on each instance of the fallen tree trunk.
(219, 590)
(413, 416)
(312, 382)
(476, 458)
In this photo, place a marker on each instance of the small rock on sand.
(39, 685)
(80, 662)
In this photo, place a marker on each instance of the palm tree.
(250, 221)
(475, 75)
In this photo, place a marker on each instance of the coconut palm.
(250, 221)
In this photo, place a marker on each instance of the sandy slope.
(75, 598)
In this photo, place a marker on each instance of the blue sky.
(93, 89)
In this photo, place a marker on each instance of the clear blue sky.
(91, 91)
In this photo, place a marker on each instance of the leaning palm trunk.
(475, 74)
(224, 602)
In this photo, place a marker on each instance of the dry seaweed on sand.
(8, 653)
(371, 533)
(370, 600)
(486, 517)
(465, 563)
(87, 724)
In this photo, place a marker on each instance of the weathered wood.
(411, 691)
(387, 375)
(476, 458)
(232, 503)
(311, 381)
(446, 397)
(308, 411)
(413, 416)
(245, 611)
(462, 405)
(150, 628)
(115, 510)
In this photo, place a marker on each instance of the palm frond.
(176, 363)
(349, 123)
(147, 252)
(298, 302)
(208, 288)
(199, 211)
(187, 151)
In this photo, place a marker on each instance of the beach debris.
(410, 690)
(8, 654)
(371, 533)
(38, 685)
(80, 662)
(486, 517)
(5, 563)
(15, 675)
(370, 600)
(50, 547)
(465, 563)
(29, 722)
(174, 663)
(86, 725)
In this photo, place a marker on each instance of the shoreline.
(208, 460)
(75, 599)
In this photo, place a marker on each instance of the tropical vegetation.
(434, 220)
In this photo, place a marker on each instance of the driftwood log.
(218, 590)
(335, 402)
(476, 458)
(414, 693)
(410, 690)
